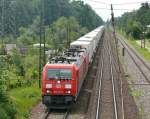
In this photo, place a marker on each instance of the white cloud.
(118, 9)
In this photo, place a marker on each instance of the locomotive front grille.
(57, 99)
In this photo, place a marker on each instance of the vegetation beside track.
(24, 99)
(130, 40)
(18, 84)
(134, 26)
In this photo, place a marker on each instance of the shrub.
(3, 114)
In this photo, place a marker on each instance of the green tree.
(134, 23)
(7, 109)
(64, 31)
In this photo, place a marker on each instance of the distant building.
(38, 45)
(147, 28)
(9, 48)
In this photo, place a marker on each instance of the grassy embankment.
(143, 51)
(25, 98)
(146, 55)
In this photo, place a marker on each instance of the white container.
(82, 44)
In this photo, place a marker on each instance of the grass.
(136, 93)
(148, 43)
(143, 51)
(24, 99)
(141, 111)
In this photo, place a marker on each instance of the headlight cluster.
(48, 86)
(68, 86)
(48, 91)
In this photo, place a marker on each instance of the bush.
(11, 110)
(7, 111)
(3, 114)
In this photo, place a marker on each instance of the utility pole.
(113, 23)
(2, 25)
(120, 75)
(143, 41)
(114, 33)
(42, 57)
(68, 33)
(44, 40)
(40, 50)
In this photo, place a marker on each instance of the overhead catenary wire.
(100, 2)
(114, 9)
(119, 4)
(131, 3)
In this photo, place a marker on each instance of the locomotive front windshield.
(59, 74)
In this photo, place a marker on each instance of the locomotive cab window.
(59, 74)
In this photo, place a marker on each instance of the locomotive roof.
(72, 61)
(70, 57)
(59, 65)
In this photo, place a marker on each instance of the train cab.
(62, 78)
(59, 83)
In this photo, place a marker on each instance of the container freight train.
(63, 76)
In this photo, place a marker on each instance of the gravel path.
(37, 111)
(137, 84)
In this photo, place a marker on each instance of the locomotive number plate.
(58, 85)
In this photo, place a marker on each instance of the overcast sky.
(104, 5)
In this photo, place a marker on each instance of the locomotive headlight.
(48, 85)
(68, 86)
(48, 91)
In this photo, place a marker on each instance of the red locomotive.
(63, 76)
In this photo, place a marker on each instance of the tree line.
(135, 23)
(22, 13)
(64, 21)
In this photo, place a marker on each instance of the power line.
(104, 3)
(131, 3)
(114, 9)
(120, 4)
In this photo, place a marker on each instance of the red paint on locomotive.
(58, 86)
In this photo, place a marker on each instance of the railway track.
(134, 56)
(107, 97)
(86, 89)
(100, 76)
(113, 84)
(50, 114)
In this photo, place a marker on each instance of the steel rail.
(136, 55)
(140, 69)
(121, 82)
(66, 114)
(45, 115)
(113, 84)
(122, 100)
(100, 76)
